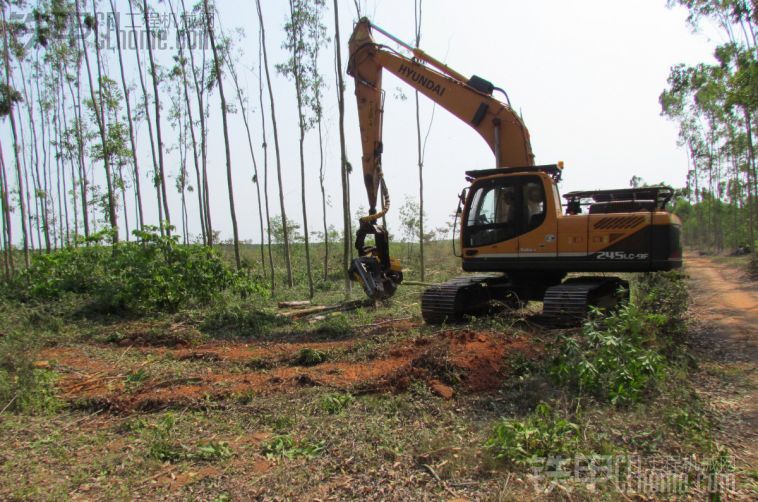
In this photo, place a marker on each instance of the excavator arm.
(469, 99)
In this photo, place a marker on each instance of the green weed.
(309, 357)
(334, 404)
(543, 433)
(285, 446)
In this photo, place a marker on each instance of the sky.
(585, 75)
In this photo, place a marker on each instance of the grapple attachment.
(378, 274)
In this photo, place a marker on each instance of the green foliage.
(309, 357)
(335, 404)
(336, 326)
(285, 446)
(610, 360)
(541, 434)
(24, 388)
(240, 319)
(156, 274)
(665, 294)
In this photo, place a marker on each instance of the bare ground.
(725, 342)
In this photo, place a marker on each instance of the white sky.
(585, 74)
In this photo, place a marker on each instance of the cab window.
(493, 215)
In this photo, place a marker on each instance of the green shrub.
(614, 357)
(542, 434)
(335, 326)
(665, 294)
(309, 357)
(156, 273)
(240, 319)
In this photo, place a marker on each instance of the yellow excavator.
(513, 224)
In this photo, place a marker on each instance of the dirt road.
(725, 310)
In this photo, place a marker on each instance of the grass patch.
(25, 386)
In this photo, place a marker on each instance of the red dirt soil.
(478, 361)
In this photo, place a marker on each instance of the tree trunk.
(417, 23)
(347, 232)
(76, 98)
(11, 117)
(157, 102)
(323, 196)
(33, 156)
(256, 178)
(199, 90)
(132, 142)
(99, 116)
(146, 105)
(750, 180)
(42, 188)
(196, 160)
(301, 124)
(285, 230)
(227, 152)
(8, 264)
(265, 164)
(112, 216)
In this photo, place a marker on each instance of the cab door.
(492, 221)
(539, 238)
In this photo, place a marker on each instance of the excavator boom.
(470, 100)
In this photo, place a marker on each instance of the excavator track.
(464, 296)
(571, 301)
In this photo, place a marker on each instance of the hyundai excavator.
(514, 229)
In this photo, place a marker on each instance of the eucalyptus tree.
(180, 71)
(264, 145)
(242, 101)
(303, 30)
(8, 266)
(284, 220)
(198, 78)
(316, 34)
(146, 111)
(127, 101)
(10, 96)
(151, 38)
(217, 63)
(97, 107)
(344, 172)
(417, 29)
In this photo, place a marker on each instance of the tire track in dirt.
(725, 309)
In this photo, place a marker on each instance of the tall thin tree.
(220, 83)
(285, 230)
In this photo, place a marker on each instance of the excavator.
(516, 234)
